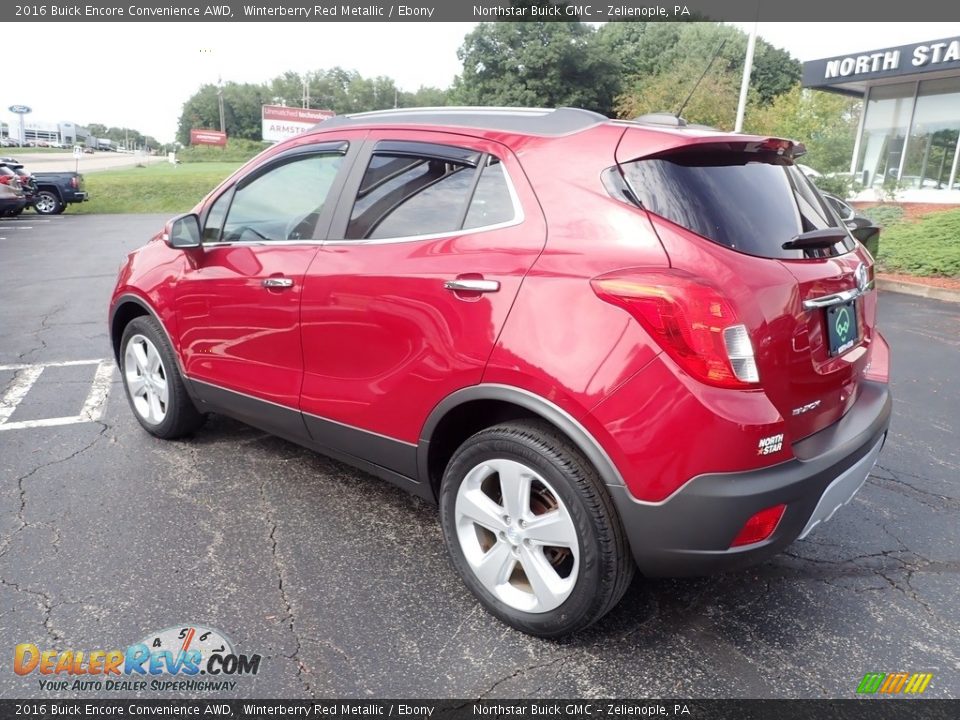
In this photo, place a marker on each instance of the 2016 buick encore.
(598, 345)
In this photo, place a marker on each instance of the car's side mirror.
(183, 231)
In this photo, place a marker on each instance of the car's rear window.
(749, 202)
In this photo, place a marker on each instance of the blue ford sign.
(19, 109)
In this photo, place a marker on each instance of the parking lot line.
(27, 375)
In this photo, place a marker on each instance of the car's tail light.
(693, 322)
(760, 526)
(6, 180)
(73, 182)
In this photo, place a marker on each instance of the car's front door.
(239, 301)
(404, 302)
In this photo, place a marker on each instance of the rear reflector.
(760, 526)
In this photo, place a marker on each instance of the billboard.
(208, 137)
(281, 122)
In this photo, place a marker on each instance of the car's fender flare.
(536, 404)
(129, 297)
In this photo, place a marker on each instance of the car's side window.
(408, 195)
(492, 201)
(284, 203)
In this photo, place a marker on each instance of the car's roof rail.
(533, 121)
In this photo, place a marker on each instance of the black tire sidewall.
(584, 598)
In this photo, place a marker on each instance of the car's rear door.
(403, 304)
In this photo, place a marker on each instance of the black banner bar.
(477, 11)
(873, 708)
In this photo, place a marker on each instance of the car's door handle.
(277, 282)
(472, 285)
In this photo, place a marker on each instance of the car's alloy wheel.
(531, 529)
(47, 203)
(146, 380)
(517, 535)
(153, 382)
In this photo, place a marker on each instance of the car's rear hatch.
(735, 211)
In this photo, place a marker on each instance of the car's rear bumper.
(690, 532)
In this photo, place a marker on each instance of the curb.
(919, 289)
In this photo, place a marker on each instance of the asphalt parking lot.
(341, 582)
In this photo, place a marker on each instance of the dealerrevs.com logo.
(173, 659)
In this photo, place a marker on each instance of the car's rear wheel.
(153, 382)
(48, 203)
(532, 531)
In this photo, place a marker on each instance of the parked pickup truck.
(56, 190)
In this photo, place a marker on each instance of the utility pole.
(223, 123)
(305, 100)
(745, 83)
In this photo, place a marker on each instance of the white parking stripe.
(27, 374)
(97, 397)
(22, 382)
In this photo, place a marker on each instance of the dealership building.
(65, 133)
(910, 126)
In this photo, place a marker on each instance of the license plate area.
(843, 331)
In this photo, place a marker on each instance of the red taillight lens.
(760, 526)
(693, 322)
(6, 179)
(73, 182)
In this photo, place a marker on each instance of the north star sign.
(888, 62)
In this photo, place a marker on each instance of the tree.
(241, 110)
(825, 122)
(538, 64)
(682, 50)
(713, 103)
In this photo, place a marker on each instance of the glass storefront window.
(884, 131)
(933, 137)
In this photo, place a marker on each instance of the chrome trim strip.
(832, 299)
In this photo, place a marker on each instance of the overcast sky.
(139, 75)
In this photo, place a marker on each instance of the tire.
(528, 468)
(48, 203)
(15, 213)
(152, 381)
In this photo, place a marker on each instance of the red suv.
(600, 346)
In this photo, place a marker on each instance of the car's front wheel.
(153, 382)
(531, 530)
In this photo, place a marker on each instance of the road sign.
(77, 152)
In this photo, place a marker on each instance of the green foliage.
(929, 246)
(714, 103)
(237, 150)
(884, 215)
(680, 51)
(839, 185)
(536, 64)
(159, 188)
(826, 123)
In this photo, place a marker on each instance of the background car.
(12, 198)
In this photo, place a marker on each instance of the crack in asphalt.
(897, 477)
(561, 660)
(290, 619)
(45, 602)
(44, 319)
(22, 488)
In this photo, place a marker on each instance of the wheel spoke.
(153, 359)
(477, 507)
(554, 528)
(140, 355)
(548, 587)
(495, 567)
(137, 385)
(156, 411)
(515, 484)
(161, 386)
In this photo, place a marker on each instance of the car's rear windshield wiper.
(816, 239)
